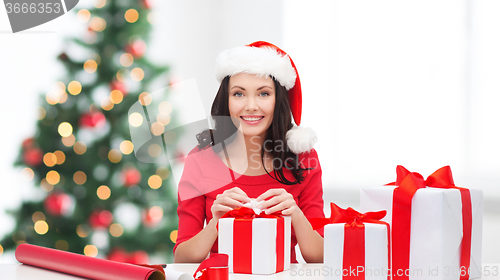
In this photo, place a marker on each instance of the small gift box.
(256, 244)
(356, 245)
(436, 226)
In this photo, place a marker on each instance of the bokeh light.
(137, 74)
(116, 230)
(156, 213)
(99, 3)
(41, 113)
(90, 250)
(65, 129)
(154, 182)
(80, 177)
(80, 148)
(63, 97)
(62, 245)
(126, 147)
(41, 227)
(103, 192)
(28, 174)
(49, 159)
(152, 18)
(157, 128)
(131, 15)
(126, 59)
(116, 96)
(115, 156)
(61, 157)
(163, 172)
(107, 104)
(173, 236)
(52, 177)
(90, 66)
(154, 150)
(135, 119)
(68, 141)
(145, 98)
(82, 231)
(74, 87)
(165, 107)
(83, 15)
(97, 24)
(45, 185)
(163, 119)
(38, 216)
(121, 75)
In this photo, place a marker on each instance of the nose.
(252, 104)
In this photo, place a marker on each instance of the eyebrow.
(257, 89)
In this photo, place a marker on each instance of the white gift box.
(436, 230)
(264, 232)
(376, 252)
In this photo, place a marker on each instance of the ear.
(301, 139)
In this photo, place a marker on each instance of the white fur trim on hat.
(301, 139)
(263, 61)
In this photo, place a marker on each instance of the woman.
(253, 151)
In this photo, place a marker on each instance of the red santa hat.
(265, 59)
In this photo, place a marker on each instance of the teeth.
(252, 119)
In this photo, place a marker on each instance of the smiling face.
(251, 101)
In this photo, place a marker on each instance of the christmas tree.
(95, 197)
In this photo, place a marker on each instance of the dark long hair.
(275, 142)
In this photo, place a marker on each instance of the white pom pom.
(301, 139)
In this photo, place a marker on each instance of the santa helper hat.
(265, 59)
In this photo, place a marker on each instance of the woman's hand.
(280, 200)
(227, 201)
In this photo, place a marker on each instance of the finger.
(270, 202)
(221, 209)
(228, 201)
(239, 197)
(240, 192)
(276, 208)
(269, 193)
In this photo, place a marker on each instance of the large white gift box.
(262, 241)
(436, 229)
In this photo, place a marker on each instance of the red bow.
(248, 213)
(213, 268)
(348, 216)
(408, 183)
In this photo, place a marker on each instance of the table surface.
(18, 271)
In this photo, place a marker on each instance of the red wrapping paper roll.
(83, 266)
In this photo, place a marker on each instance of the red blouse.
(205, 176)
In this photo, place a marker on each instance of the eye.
(264, 94)
(238, 94)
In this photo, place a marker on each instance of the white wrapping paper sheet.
(436, 230)
(376, 252)
(263, 243)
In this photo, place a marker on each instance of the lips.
(251, 119)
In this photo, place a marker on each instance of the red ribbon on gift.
(354, 235)
(213, 268)
(242, 228)
(408, 183)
